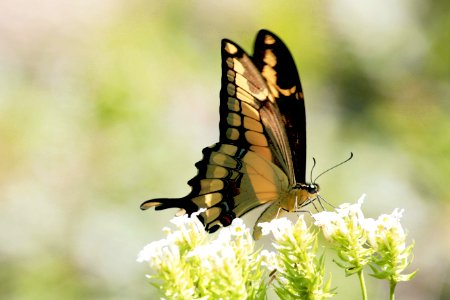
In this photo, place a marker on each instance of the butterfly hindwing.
(230, 182)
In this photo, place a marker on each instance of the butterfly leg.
(272, 276)
(320, 199)
(311, 201)
(278, 212)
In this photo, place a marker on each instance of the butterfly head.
(312, 188)
(302, 194)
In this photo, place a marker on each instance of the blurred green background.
(104, 104)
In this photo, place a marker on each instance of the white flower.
(387, 229)
(301, 224)
(324, 218)
(171, 254)
(392, 220)
(398, 213)
(369, 224)
(278, 227)
(269, 260)
(328, 221)
(352, 210)
(203, 251)
(282, 224)
(151, 250)
(224, 236)
(185, 221)
(266, 227)
(167, 230)
(190, 260)
(238, 227)
(180, 220)
(159, 252)
(201, 210)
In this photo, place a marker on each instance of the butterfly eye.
(313, 188)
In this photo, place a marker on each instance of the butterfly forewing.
(275, 62)
(242, 95)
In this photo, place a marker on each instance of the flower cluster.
(361, 241)
(299, 268)
(345, 228)
(388, 238)
(190, 264)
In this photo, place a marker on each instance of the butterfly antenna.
(314, 164)
(333, 167)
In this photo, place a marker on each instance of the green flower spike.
(299, 270)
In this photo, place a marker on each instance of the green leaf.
(352, 270)
(407, 277)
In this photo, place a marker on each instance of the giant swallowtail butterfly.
(261, 153)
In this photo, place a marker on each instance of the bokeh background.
(105, 104)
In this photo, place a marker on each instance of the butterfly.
(261, 154)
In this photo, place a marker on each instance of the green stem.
(363, 284)
(392, 289)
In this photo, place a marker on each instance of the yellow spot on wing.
(250, 111)
(261, 95)
(210, 185)
(238, 67)
(234, 174)
(230, 48)
(269, 74)
(181, 212)
(242, 82)
(224, 160)
(256, 138)
(231, 75)
(229, 62)
(270, 58)
(269, 40)
(228, 149)
(233, 104)
(207, 200)
(232, 134)
(231, 89)
(252, 124)
(245, 96)
(214, 223)
(214, 171)
(211, 214)
(234, 119)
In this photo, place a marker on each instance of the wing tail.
(164, 203)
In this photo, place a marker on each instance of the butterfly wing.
(237, 174)
(275, 63)
(242, 96)
(230, 182)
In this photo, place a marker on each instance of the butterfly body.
(261, 154)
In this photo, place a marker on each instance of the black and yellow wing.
(262, 125)
(275, 62)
